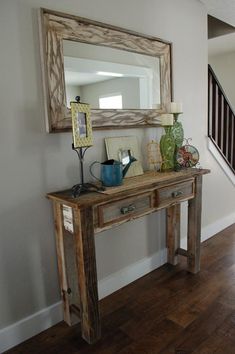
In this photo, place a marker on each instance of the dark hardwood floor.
(167, 311)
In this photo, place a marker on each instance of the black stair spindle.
(221, 120)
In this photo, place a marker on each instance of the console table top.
(149, 180)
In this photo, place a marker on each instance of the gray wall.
(34, 162)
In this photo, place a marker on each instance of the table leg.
(173, 232)
(194, 227)
(87, 275)
(58, 220)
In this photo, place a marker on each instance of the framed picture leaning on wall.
(121, 148)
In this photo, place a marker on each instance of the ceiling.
(221, 9)
(218, 28)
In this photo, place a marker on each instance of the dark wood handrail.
(221, 120)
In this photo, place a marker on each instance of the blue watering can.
(112, 171)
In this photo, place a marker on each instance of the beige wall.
(34, 162)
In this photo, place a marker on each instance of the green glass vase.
(178, 131)
(167, 148)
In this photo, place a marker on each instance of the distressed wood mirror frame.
(56, 27)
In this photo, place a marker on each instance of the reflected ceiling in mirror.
(109, 78)
(60, 34)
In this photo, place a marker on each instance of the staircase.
(221, 121)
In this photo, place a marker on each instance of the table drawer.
(176, 193)
(124, 209)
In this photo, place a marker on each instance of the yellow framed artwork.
(81, 124)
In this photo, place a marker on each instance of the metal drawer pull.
(176, 194)
(127, 209)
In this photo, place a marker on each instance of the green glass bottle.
(167, 148)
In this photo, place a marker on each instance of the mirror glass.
(124, 156)
(109, 78)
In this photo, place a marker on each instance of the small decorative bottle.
(178, 131)
(167, 143)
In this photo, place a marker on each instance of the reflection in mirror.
(109, 78)
(124, 156)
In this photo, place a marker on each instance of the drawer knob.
(176, 194)
(127, 209)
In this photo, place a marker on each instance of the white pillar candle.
(176, 107)
(167, 119)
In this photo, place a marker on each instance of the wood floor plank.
(198, 331)
(222, 339)
(168, 311)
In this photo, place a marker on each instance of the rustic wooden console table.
(78, 219)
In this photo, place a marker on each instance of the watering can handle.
(90, 169)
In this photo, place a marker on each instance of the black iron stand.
(77, 189)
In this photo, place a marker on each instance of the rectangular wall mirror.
(123, 75)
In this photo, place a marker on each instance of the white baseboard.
(212, 229)
(219, 225)
(28, 327)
